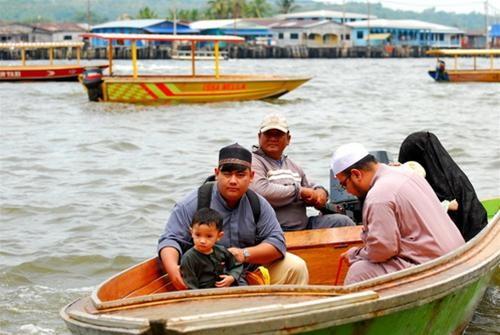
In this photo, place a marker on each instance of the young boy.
(206, 264)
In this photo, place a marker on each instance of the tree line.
(225, 9)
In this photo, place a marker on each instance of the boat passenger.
(207, 264)
(447, 180)
(283, 182)
(252, 241)
(403, 221)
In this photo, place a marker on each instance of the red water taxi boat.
(51, 71)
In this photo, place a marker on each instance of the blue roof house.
(405, 32)
(240, 27)
(145, 26)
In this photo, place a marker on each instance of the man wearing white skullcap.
(403, 222)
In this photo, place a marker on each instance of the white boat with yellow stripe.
(193, 88)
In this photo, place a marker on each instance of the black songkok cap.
(235, 154)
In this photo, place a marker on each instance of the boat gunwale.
(238, 78)
(463, 52)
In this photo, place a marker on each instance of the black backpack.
(205, 197)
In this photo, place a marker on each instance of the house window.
(441, 37)
(68, 37)
(359, 35)
(280, 36)
(347, 37)
(294, 36)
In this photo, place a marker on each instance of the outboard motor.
(92, 79)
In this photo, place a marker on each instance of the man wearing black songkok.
(252, 240)
(447, 180)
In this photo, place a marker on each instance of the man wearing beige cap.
(403, 221)
(284, 184)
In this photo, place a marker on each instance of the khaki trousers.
(291, 270)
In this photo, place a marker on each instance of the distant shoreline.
(235, 52)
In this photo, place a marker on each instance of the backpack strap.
(255, 204)
(205, 195)
(205, 198)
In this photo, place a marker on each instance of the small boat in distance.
(443, 74)
(44, 72)
(437, 297)
(193, 88)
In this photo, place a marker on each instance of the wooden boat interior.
(321, 249)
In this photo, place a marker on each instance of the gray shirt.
(239, 227)
(280, 182)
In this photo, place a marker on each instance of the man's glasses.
(343, 183)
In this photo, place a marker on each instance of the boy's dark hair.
(207, 216)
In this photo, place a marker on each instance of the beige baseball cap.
(274, 121)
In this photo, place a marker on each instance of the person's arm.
(170, 260)
(176, 239)
(381, 237)
(260, 254)
(277, 194)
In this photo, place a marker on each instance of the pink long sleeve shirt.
(404, 223)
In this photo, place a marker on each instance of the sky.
(457, 6)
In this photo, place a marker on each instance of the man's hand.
(238, 254)
(345, 256)
(321, 197)
(170, 259)
(177, 281)
(226, 281)
(307, 195)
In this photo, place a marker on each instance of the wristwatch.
(246, 254)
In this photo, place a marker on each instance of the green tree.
(286, 6)
(186, 15)
(219, 9)
(147, 13)
(258, 8)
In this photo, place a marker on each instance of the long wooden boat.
(45, 72)
(437, 297)
(193, 88)
(441, 74)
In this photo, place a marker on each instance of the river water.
(85, 188)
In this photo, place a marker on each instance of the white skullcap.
(347, 155)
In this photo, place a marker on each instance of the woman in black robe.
(447, 179)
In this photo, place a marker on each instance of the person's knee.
(291, 270)
(299, 274)
(332, 221)
(362, 270)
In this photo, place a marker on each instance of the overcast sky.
(458, 6)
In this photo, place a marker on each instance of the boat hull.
(202, 89)
(44, 72)
(456, 76)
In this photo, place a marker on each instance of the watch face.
(246, 253)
